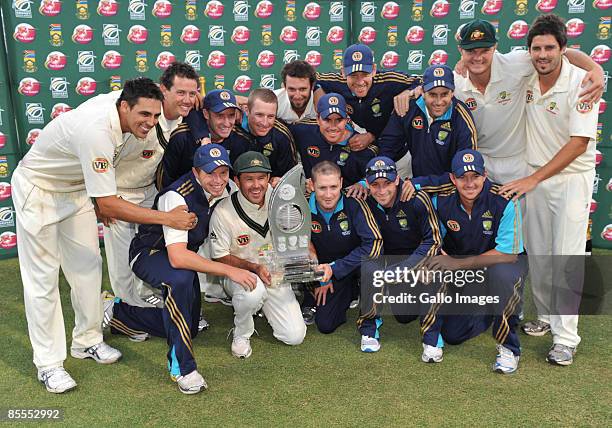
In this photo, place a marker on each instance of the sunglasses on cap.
(383, 168)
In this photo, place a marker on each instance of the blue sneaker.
(369, 344)
(506, 362)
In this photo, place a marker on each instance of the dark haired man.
(494, 87)
(561, 131)
(135, 176)
(214, 123)
(239, 234)
(261, 132)
(73, 161)
(295, 99)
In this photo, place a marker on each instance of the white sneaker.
(101, 352)
(56, 380)
(369, 344)
(506, 362)
(432, 354)
(108, 302)
(241, 347)
(202, 324)
(191, 383)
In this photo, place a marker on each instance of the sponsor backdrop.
(63, 52)
(9, 156)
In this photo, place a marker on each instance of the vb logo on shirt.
(148, 154)
(417, 122)
(453, 225)
(471, 104)
(583, 107)
(313, 151)
(243, 240)
(100, 165)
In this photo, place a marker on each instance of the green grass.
(325, 381)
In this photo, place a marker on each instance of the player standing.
(56, 224)
(561, 132)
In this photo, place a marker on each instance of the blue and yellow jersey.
(408, 228)
(353, 231)
(431, 145)
(313, 148)
(278, 145)
(495, 223)
(373, 111)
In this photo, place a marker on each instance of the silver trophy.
(290, 225)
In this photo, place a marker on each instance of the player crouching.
(485, 229)
(168, 259)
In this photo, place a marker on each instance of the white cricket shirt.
(499, 113)
(557, 115)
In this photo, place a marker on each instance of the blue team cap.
(358, 58)
(219, 100)
(438, 75)
(380, 167)
(331, 103)
(210, 157)
(467, 160)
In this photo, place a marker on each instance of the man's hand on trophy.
(321, 293)
(327, 272)
(274, 181)
(309, 186)
(246, 279)
(264, 274)
(356, 191)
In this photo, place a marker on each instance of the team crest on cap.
(438, 72)
(476, 35)
(215, 153)
(255, 162)
(468, 157)
(453, 225)
(224, 96)
(357, 56)
(333, 101)
(379, 162)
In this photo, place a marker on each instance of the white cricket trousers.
(506, 169)
(279, 305)
(557, 218)
(57, 230)
(117, 239)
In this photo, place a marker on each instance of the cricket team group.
(493, 158)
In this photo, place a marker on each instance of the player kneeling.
(167, 259)
(239, 233)
(486, 230)
(410, 231)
